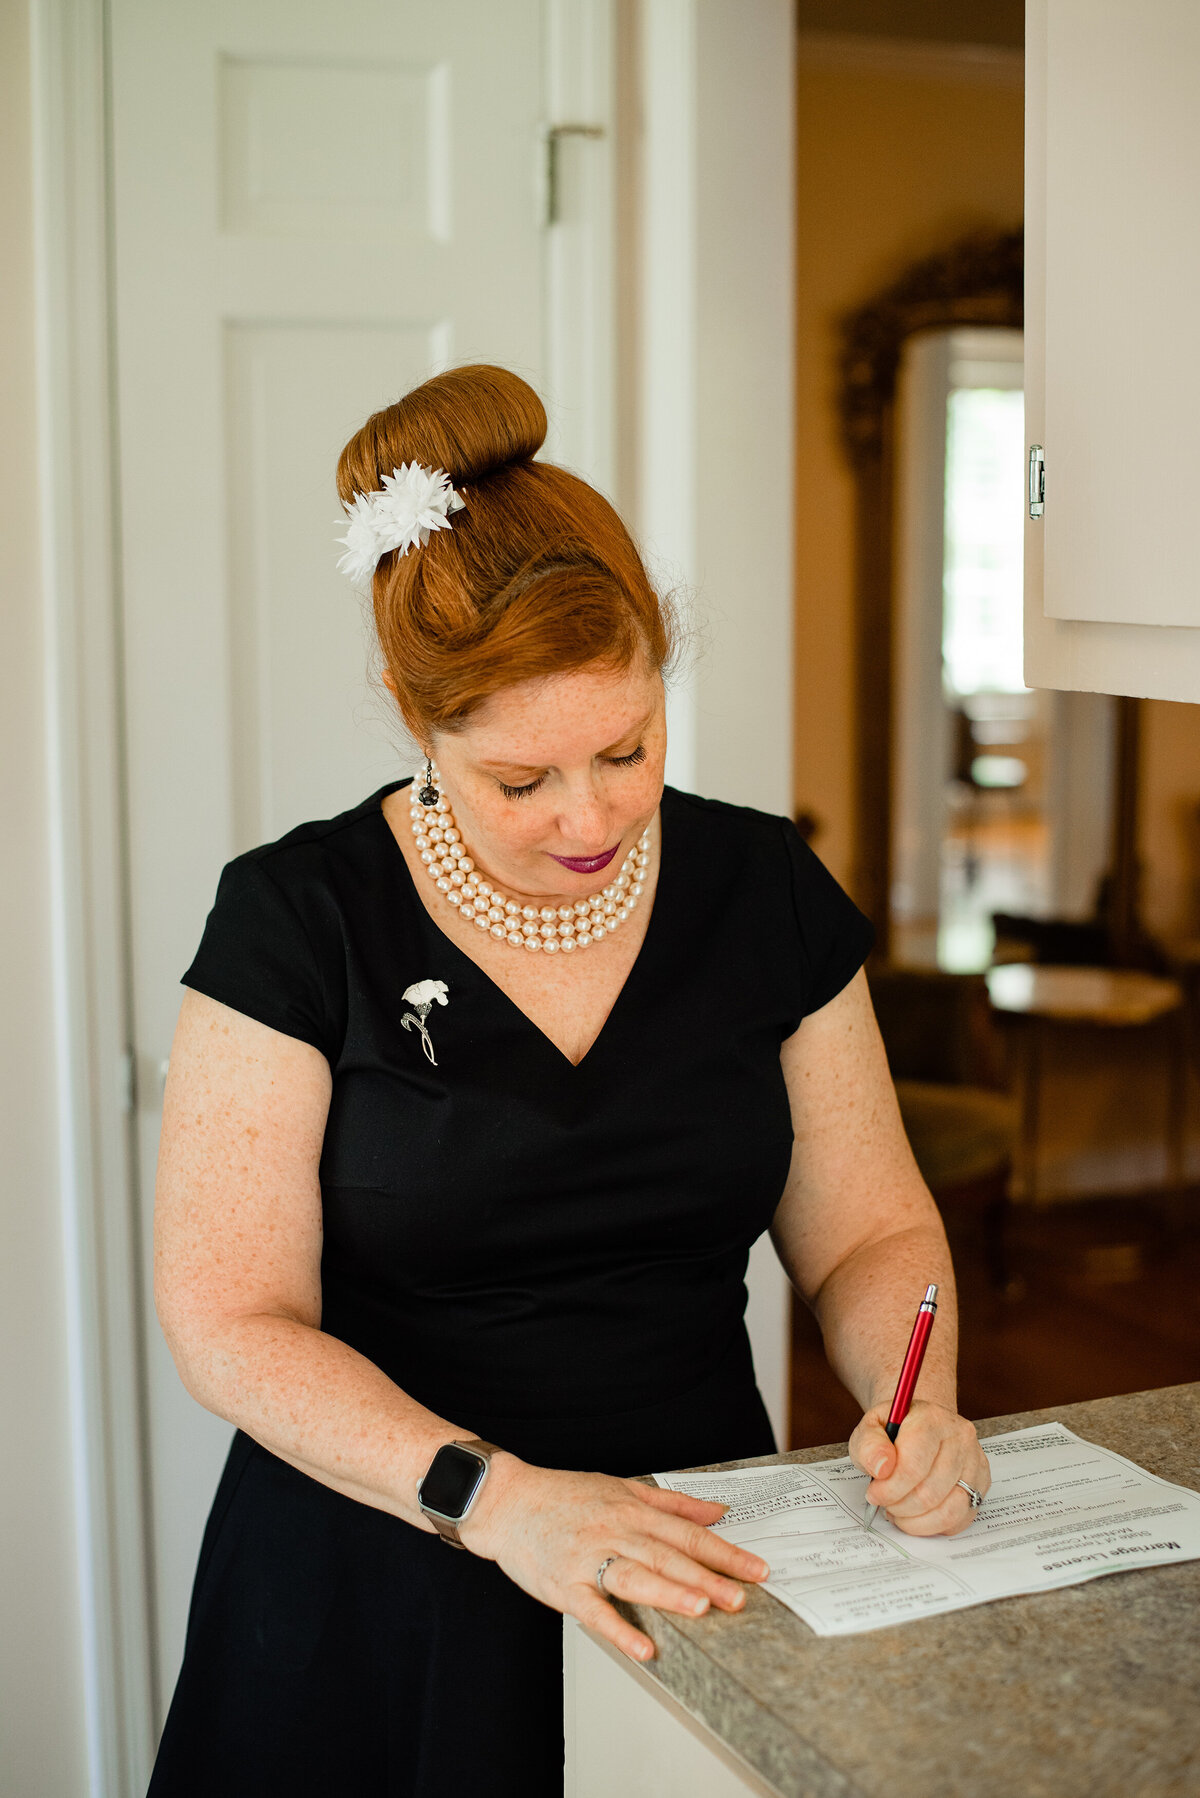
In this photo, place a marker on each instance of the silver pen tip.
(930, 1296)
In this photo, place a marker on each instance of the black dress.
(552, 1255)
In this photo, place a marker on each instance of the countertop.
(1091, 1689)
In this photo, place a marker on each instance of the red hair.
(536, 576)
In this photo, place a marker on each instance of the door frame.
(89, 926)
(97, 1071)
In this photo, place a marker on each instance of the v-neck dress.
(552, 1255)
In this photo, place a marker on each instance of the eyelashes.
(632, 760)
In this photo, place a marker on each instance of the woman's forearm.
(319, 1405)
(866, 1308)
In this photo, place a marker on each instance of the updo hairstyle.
(536, 576)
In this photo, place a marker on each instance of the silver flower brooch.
(423, 996)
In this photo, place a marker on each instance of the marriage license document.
(1060, 1510)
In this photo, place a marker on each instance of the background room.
(981, 823)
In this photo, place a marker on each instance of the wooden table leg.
(1030, 1091)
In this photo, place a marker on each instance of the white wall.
(42, 1732)
(745, 405)
(715, 451)
(714, 355)
(745, 431)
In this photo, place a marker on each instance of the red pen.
(906, 1384)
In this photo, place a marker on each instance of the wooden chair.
(947, 1065)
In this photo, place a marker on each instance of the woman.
(478, 1158)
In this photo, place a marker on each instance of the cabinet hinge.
(1037, 480)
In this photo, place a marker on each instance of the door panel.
(304, 724)
(297, 137)
(315, 207)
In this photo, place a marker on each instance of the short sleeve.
(257, 957)
(836, 937)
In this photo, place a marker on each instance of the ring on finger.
(601, 1570)
(976, 1498)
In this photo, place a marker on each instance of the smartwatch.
(452, 1483)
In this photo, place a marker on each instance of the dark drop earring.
(429, 794)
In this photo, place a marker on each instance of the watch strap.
(446, 1530)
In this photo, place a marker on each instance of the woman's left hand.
(915, 1479)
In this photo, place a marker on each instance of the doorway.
(987, 774)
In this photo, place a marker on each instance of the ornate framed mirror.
(948, 740)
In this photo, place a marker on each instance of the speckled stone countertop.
(1093, 1689)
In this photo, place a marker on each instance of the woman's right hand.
(550, 1531)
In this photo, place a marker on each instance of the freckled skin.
(238, 1202)
(584, 806)
(566, 730)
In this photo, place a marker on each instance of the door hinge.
(1037, 480)
(554, 136)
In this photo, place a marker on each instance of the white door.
(315, 207)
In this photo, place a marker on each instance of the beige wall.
(41, 1704)
(891, 167)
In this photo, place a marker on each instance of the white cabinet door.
(1112, 387)
(315, 207)
(1122, 273)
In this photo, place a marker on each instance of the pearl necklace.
(546, 928)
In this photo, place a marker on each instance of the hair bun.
(470, 421)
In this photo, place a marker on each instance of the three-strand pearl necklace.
(545, 928)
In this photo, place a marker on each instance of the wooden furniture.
(1083, 1692)
(942, 1051)
(1035, 1000)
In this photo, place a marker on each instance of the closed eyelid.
(525, 789)
(521, 775)
(521, 792)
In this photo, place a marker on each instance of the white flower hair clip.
(414, 502)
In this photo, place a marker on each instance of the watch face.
(455, 1476)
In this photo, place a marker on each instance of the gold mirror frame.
(978, 281)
